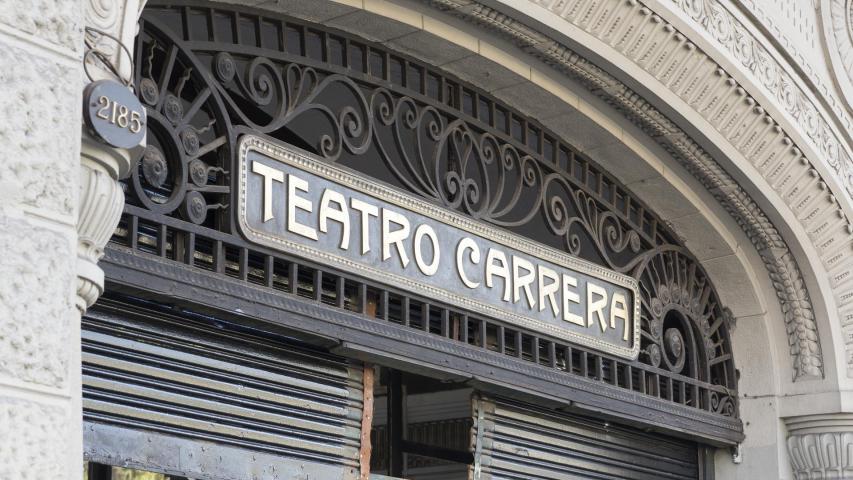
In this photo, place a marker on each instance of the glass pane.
(120, 473)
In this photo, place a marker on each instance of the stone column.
(821, 446)
(41, 48)
(59, 202)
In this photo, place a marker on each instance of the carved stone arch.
(611, 29)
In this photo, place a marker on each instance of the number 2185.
(118, 114)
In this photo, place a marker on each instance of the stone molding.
(821, 446)
(117, 18)
(657, 47)
(772, 74)
(100, 205)
(837, 19)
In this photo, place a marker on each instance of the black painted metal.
(205, 73)
(97, 471)
(387, 340)
(195, 378)
(520, 441)
(396, 424)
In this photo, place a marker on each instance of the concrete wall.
(41, 46)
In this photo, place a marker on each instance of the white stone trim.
(656, 46)
(820, 446)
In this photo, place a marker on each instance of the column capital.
(100, 204)
(821, 446)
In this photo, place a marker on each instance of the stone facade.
(752, 99)
(58, 210)
(41, 46)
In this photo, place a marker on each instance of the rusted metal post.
(369, 308)
(366, 423)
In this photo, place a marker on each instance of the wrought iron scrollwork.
(427, 141)
(184, 167)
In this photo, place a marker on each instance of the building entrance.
(247, 333)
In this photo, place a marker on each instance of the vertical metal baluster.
(133, 230)
(599, 368)
(185, 23)
(425, 316)
(318, 285)
(218, 257)
(269, 270)
(189, 249)
(162, 240)
(340, 292)
(629, 379)
(464, 335)
(293, 277)
(384, 305)
(405, 314)
(519, 344)
(362, 298)
(552, 354)
(244, 264)
(614, 367)
(534, 343)
(567, 351)
(445, 323)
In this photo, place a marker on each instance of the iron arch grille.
(205, 73)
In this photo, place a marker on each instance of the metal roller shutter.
(224, 404)
(514, 441)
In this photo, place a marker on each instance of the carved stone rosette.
(821, 446)
(101, 196)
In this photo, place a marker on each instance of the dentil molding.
(657, 47)
(794, 93)
(821, 446)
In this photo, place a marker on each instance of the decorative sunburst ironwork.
(184, 167)
(412, 126)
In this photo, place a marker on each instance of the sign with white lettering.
(292, 202)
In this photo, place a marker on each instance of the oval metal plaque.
(114, 114)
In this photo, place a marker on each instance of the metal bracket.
(92, 51)
(737, 454)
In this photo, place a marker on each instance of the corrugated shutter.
(232, 405)
(518, 441)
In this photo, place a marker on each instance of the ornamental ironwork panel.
(206, 73)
